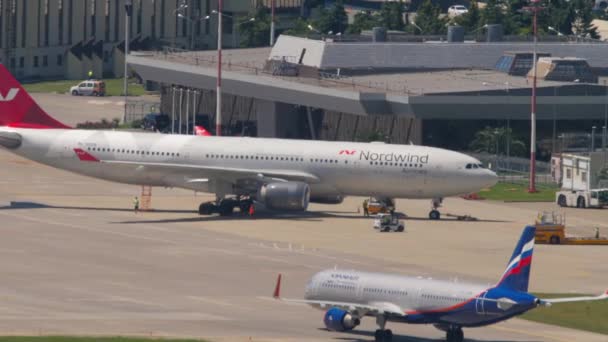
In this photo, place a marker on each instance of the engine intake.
(287, 196)
(339, 320)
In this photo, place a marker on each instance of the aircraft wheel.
(388, 335)
(226, 209)
(206, 208)
(581, 203)
(434, 215)
(383, 336)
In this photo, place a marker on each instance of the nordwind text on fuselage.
(394, 157)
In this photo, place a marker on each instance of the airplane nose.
(491, 178)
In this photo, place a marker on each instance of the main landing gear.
(225, 207)
(434, 214)
(454, 334)
(382, 335)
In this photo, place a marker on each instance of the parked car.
(89, 88)
(457, 10)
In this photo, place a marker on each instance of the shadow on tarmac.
(366, 336)
(261, 214)
(34, 205)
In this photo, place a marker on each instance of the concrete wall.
(292, 48)
(329, 55)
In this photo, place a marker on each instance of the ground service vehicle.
(551, 229)
(376, 206)
(583, 183)
(388, 223)
(89, 88)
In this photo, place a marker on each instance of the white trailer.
(584, 182)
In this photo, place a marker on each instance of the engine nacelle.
(330, 199)
(287, 196)
(339, 320)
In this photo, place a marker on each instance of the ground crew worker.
(251, 210)
(90, 74)
(365, 208)
(136, 204)
(597, 232)
(386, 220)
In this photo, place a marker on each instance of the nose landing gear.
(454, 334)
(382, 335)
(434, 214)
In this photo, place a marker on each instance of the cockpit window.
(475, 166)
(480, 166)
(469, 166)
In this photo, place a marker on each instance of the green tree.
(489, 139)
(492, 13)
(391, 15)
(300, 28)
(333, 19)
(470, 20)
(363, 21)
(427, 19)
(560, 16)
(257, 32)
(583, 15)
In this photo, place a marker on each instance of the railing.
(137, 110)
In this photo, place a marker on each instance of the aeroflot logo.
(348, 152)
(10, 96)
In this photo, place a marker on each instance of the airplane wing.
(549, 302)
(228, 174)
(372, 309)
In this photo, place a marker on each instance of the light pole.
(534, 8)
(191, 21)
(593, 138)
(272, 23)
(128, 14)
(604, 137)
(218, 87)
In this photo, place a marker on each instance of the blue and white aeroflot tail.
(348, 296)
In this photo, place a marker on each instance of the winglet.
(277, 288)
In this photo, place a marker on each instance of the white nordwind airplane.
(278, 173)
(348, 296)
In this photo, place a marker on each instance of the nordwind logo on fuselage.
(10, 96)
(394, 157)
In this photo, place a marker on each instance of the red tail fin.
(18, 109)
(200, 130)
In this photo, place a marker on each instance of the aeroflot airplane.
(280, 174)
(348, 296)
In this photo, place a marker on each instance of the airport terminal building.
(339, 90)
(61, 39)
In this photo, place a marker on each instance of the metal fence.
(136, 109)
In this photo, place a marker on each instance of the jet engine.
(339, 320)
(287, 196)
(329, 199)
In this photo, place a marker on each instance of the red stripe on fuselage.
(85, 156)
